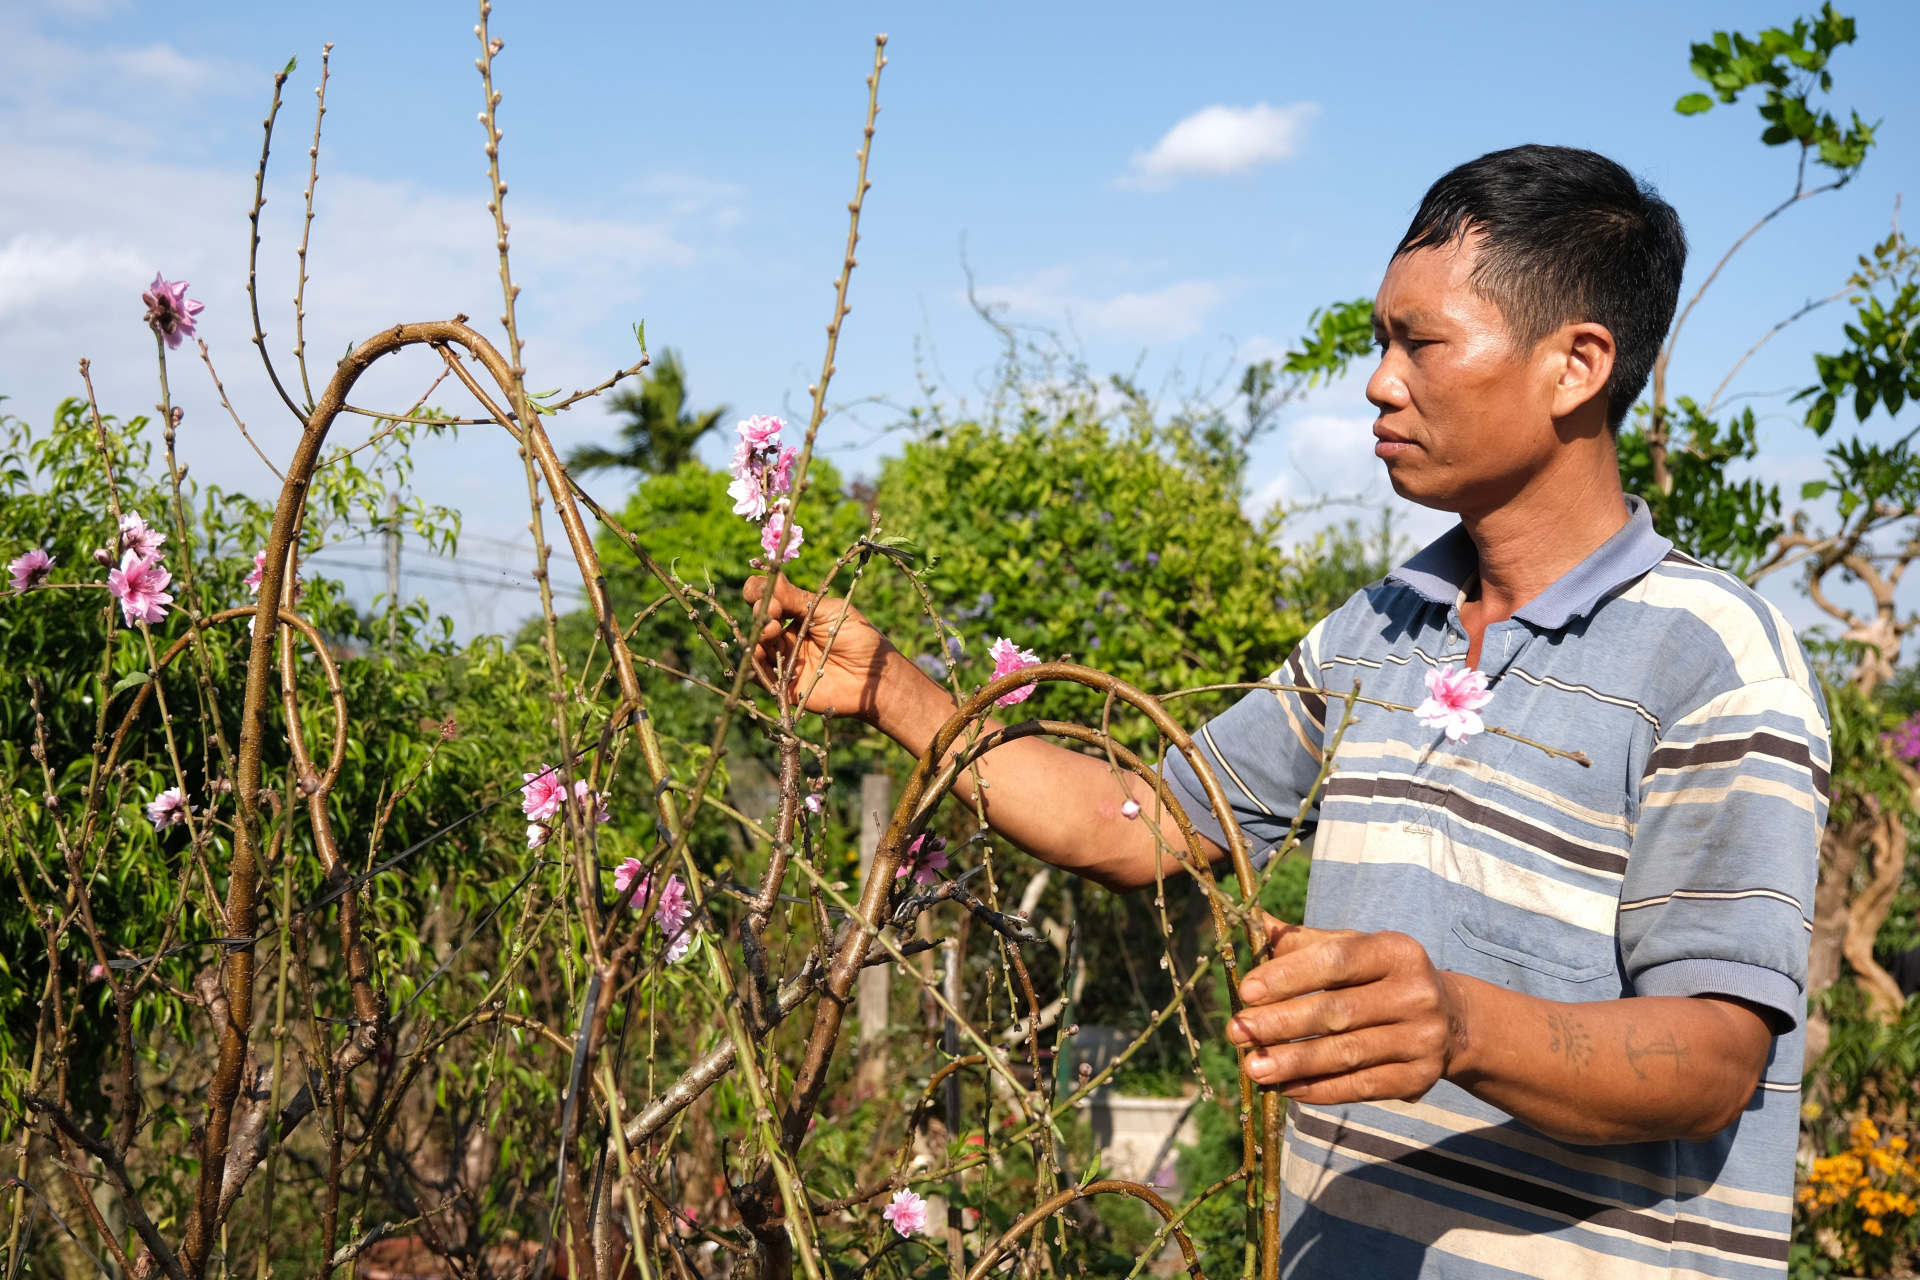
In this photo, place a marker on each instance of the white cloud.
(39, 269)
(1220, 141)
(142, 100)
(1160, 315)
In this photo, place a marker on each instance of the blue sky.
(690, 166)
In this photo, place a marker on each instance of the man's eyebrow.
(1413, 318)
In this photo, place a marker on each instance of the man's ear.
(1586, 354)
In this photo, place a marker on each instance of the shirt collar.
(1446, 568)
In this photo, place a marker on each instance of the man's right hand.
(834, 657)
(1063, 806)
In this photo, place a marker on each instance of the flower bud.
(102, 556)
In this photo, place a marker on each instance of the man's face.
(1465, 419)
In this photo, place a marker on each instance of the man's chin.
(1407, 484)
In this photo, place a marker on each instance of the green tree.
(1680, 465)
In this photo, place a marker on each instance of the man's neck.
(1528, 544)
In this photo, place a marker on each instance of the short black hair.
(1565, 236)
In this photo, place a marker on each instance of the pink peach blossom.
(170, 311)
(168, 809)
(671, 915)
(140, 587)
(138, 537)
(907, 1213)
(760, 431)
(1008, 658)
(623, 876)
(591, 800)
(30, 570)
(780, 474)
(925, 856)
(542, 796)
(748, 494)
(770, 537)
(670, 912)
(1454, 701)
(252, 580)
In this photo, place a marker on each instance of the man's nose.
(1386, 389)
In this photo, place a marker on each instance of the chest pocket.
(1535, 879)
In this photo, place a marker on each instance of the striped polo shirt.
(1682, 862)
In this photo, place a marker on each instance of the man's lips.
(1388, 443)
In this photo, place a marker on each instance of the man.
(1545, 1019)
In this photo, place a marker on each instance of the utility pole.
(393, 572)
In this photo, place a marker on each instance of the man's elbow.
(1721, 1118)
(1131, 873)
(1122, 877)
(1746, 1032)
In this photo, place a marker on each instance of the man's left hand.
(1339, 1016)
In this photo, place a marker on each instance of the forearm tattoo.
(1663, 1046)
(1569, 1039)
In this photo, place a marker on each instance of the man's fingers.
(1285, 939)
(788, 600)
(1399, 1081)
(1317, 959)
(1271, 929)
(1307, 1061)
(1323, 1013)
(792, 600)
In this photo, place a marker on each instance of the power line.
(502, 583)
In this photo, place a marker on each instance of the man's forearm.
(1339, 1016)
(1061, 805)
(1611, 1071)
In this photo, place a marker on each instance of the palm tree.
(659, 433)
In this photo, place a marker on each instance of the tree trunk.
(1869, 912)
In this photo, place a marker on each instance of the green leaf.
(131, 680)
(1693, 104)
(1812, 489)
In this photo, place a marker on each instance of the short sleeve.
(1265, 750)
(1718, 895)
